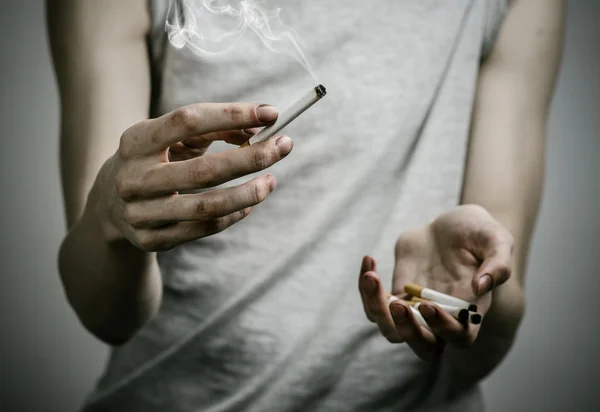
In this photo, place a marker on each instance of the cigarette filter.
(438, 297)
(288, 115)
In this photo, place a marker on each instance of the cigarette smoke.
(211, 27)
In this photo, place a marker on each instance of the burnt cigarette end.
(476, 319)
(321, 90)
(463, 316)
(472, 308)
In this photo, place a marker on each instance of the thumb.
(493, 272)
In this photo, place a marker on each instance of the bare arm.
(102, 69)
(505, 167)
(123, 173)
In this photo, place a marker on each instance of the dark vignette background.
(48, 363)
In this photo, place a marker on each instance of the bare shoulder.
(78, 20)
(528, 50)
(531, 29)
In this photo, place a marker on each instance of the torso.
(266, 315)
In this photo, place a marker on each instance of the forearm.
(113, 287)
(502, 321)
(505, 165)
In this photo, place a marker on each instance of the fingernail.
(398, 311)
(428, 311)
(485, 284)
(266, 113)
(284, 144)
(370, 285)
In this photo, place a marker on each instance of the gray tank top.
(266, 315)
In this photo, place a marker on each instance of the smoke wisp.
(212, 27)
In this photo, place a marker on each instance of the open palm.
(464, 252)
(453, 253)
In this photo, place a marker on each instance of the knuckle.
(264, 158)
(243, 213)
(205, 174)
(239, 113)
(216, 225)
(123, 185)
(125, 149)
(127, 143)
(260, 193)
(187, 117)
(146, 240)
(150, 241)
(130, 214)
(205, 208)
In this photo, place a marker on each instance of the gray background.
(48, 362)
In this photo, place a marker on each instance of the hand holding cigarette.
(443, 276)
(138, 188)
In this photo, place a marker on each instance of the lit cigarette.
(416, 313)
(289, 115)
(438, 297)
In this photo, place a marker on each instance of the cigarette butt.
(460, 314)
(475, 318)
(413, 289)
(438, 297)
(420, 318)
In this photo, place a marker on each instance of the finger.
(199, 119)
(495, 269)
(368, 264)
(180, 152)
(197, 146)
(206, 171)
(204, 206)
(168, 237)
(444, 325)
(420, 340)
(236, 137)
(375, 303)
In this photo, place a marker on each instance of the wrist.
(97, 214)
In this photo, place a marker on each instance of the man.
(431, 105)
